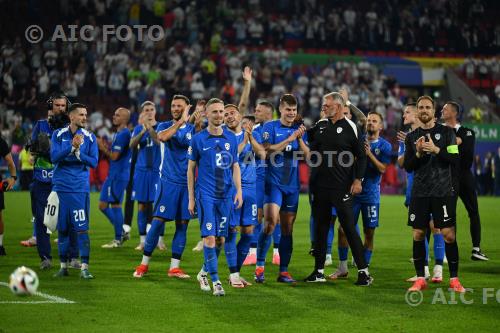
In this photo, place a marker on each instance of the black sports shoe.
(478, 255)
(363, 279)
(315, 277)
(311, 252)
(2, 251)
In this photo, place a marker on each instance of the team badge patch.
(190, 150)
(227, 146)
(437, 136)
(339, 130)
(209, 226)
(188, 136)
(162, 209)
(412, 217)
(265, 135)
(377, 151)
(469, 133)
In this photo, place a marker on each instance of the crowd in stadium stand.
(208, 43)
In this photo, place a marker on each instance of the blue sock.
(368, 256)
(343, 253)
(84, 246)
(118, 222)
(426, 252)
(331, 235)
(439, 249)
(63, 246)
(242, 248)
(277, 236)
(286, 248)
(179, 241)
(211, 262)
(109, 213)
(152, 237)
(262, 248)
(256, 233)
(230, 250)
(312, 229)
(73, 245)
(142, 222)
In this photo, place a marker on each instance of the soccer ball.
(23, 281)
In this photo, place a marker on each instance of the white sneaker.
(203, 280)
(328, 260)
(427, 275)
(198, 247)
(218, 290)
(235, 281)
(113, 244)
(437, 274)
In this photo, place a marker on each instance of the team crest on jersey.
(437, 136)
(209, 226)
(188, 136)
(265, 135)
(227, 146)
(162, 209)
(469, 133)
(377, 151)
(339, 130)
(412, 217)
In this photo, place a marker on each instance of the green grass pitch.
(116, 302)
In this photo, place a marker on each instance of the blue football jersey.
(371, 181)
(71, 169)
(246, 159)
(43, 167)
(282, 168)
(409, 175)
(120, 169)
(174, 159)
(215, 156)
(260, 164)
(148, 156)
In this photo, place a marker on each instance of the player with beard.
(410, 119)
(73, 151)
(113, 189)
(249, 146)
(431, 152)
(171, 201)
(464, 178)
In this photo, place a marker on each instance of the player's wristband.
(13, 177)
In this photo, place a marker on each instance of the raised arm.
(168, 133)
(247, 85)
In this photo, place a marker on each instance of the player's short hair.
(412, 104)
(75, 106)
(251, 118)
(184, 98)
(378, 114)
(455, 106)
(146, 103)
(267, 105)
(232, 106)
(213, 101)
(336, 97)
(429, 98)
(288, 99)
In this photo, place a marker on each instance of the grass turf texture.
(115, 301)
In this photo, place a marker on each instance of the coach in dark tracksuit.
(338, 165)
(464, 180)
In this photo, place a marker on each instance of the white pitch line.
(50, 298)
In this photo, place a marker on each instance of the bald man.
(110, 202)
